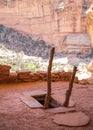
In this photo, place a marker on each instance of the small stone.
(90, 81)
(83, 82)
(5, 67)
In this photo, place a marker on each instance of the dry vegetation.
(20, 61)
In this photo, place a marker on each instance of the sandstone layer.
(50, 20)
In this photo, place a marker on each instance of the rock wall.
(28, 76)
(50, 20)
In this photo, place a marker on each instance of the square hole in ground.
(41, 100)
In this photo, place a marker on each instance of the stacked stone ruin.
(4, 72)
(6, 76)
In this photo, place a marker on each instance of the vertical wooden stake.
(68, 92)
(48, 95)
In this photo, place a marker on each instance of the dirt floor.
(15, 115)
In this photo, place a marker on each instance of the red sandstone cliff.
(59, 22)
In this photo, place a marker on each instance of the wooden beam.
(68, 92)
(48, 95)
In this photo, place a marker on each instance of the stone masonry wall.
(27, 76)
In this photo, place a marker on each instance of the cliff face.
(50, 20)
(20, 42)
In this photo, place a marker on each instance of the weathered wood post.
(68, 92)
(48, 95)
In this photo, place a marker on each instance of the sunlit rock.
(89, 21)
(90, 66)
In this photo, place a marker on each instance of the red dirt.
(15, 115)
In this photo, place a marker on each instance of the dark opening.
(41, 100)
